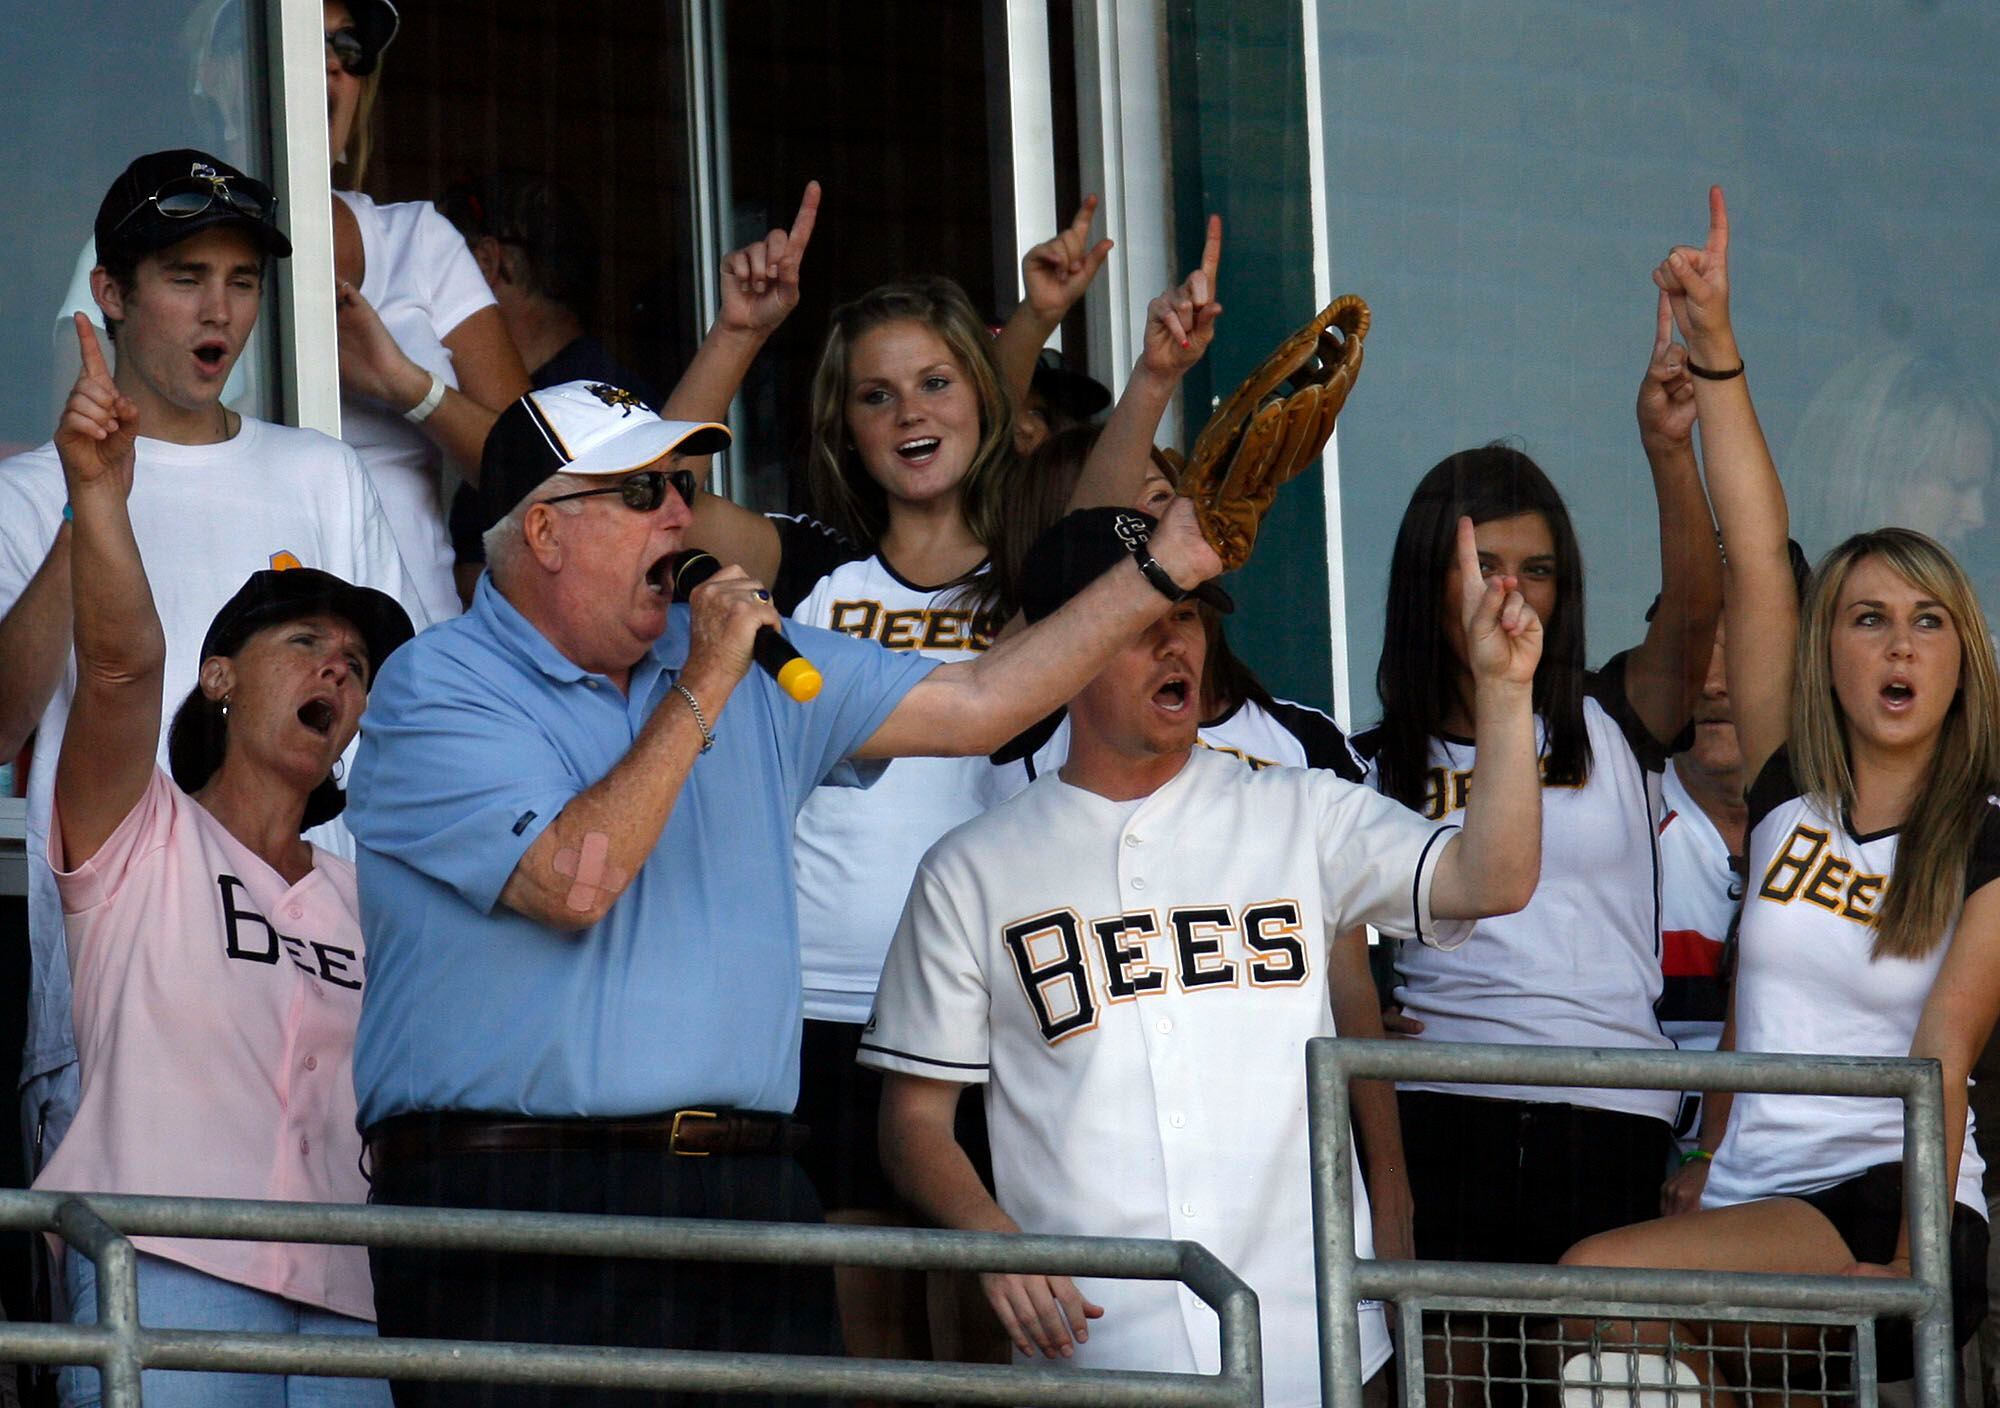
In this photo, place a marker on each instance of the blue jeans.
(172, 1296)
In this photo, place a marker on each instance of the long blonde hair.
(350, 168)
(847, 496)
(1927, 886)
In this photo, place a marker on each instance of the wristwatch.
(1149, 567)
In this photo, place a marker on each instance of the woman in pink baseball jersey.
(216, 954)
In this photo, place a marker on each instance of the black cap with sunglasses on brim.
(590, 429)
(358, 47)
(164, 197)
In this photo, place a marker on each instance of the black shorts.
(1525, 1180)
(1867, 1212)
(840, 1101)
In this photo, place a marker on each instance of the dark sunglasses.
(351, 52)
(643, 492)
(185, 197)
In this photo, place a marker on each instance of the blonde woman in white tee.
(1871, 925)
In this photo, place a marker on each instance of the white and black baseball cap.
(588, 428)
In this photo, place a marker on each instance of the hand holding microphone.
(795, 674)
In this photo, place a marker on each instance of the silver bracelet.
(433, 398)
(707, 738)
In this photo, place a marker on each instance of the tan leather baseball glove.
(1274, 425)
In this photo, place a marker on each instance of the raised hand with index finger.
(1696, 283)
(760, 282)
(1180, 324)
(99, 423)
(1503, 635)
(1666, 392)
(1056, 272)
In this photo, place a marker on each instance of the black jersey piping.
(927, 1060)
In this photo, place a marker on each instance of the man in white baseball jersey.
(1130, 955)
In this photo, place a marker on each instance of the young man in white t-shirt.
(1129, 955)
(182, 241)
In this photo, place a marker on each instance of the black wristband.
(1706, 375)
(1165, 585)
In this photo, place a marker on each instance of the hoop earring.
(225, 706)
(339, 770)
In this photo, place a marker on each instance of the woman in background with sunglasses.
(425, 362)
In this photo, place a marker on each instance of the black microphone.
(781, 660)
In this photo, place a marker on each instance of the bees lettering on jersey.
(328, 962)
(1071, 968)
(1805, 868)
(1446, 790)
(915, 627)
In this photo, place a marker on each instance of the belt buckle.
(674, 1133)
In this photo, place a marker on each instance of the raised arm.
(1743, 487)
(1663, 677)
(1055, 274)
(1180, 325)
(1492, 865)
(760, 288)
(973, 706)
(488, 368)
(114, 723)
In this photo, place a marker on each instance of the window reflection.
(85, 92)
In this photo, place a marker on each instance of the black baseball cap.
(588, 428)
(164, 197)
(1082, 547)
(1071, 393)
(272, 597)
(376, 21)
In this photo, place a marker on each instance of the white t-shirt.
(1136, 986)
(1580, 966)
(858, 847)
(424, 282)
(206, 517)
(1806, 983)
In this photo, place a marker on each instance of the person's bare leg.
(1776, 1234)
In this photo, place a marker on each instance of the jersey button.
(305, 1145)
(1177, 1120)
(1131, 840)
(312, 1063)
(1138, 882)
(1164, 1026)
(1187, 1209)
(294, 911)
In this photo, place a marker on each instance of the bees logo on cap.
(618, 396)
(1132, 531)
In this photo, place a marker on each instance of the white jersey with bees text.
(1805, 982)
(857, 847)
(1135, 982)
(1580, 966)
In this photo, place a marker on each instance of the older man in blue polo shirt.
(574, 811)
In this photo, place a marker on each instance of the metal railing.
(120, 1346)
(1544, 1291)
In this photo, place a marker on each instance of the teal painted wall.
(1236, 107)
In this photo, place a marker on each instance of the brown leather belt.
(693, 1134)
